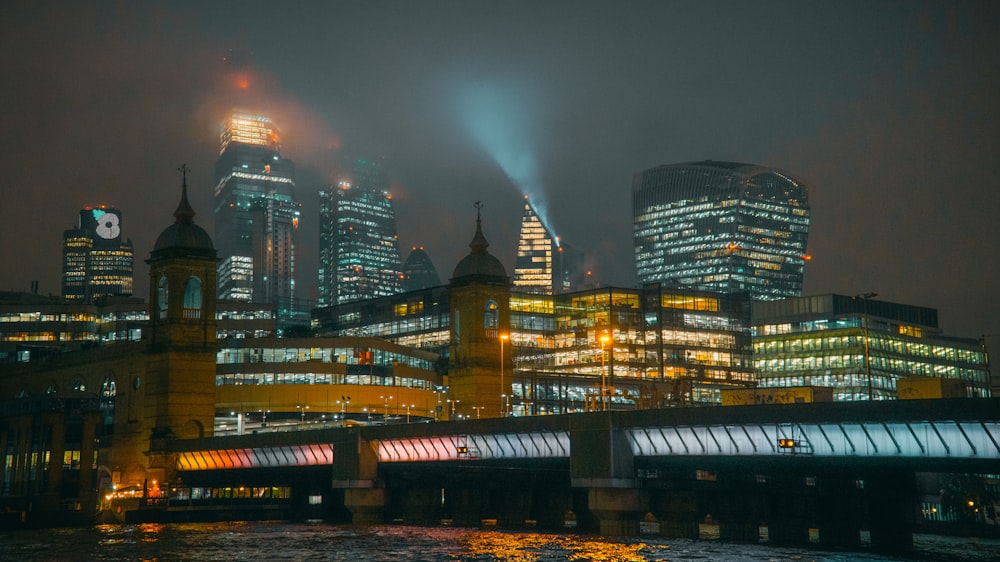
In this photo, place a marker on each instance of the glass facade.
(631, 348)
(419, 272)
(34, 326)
(256, 216)
(98, 261)
(859, 347)
(639, 348)
(720, 226)
(359, 248)
(533, 272)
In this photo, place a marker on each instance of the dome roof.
(184, 237)
(480, 265)
(180, 235)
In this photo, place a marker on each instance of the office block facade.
(359, 247)
(721, 226)
(97, 260)
(256, 215)
(860, 347)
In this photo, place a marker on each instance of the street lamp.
(477, 409)
(604, 403)
(385, 409)
(503, 393)
(303, 409)
(452, 404)
(408, 406)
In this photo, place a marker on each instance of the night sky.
(890, 111)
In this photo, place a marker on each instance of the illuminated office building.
(721, 226)
(649, 347)
(535, 246)
(544, 265)
(97, 259)
(256, 215)
(860, 347)
(359, 250)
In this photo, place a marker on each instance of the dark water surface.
(303, 542)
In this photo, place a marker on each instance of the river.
(273, 541)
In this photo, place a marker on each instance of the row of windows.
(876, 343)
(238, 379)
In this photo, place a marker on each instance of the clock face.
(108, 226)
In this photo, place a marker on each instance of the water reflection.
(273, 541)
(530, 547)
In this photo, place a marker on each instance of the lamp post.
(604, 403)
(303, 410)
(385, 409)
(408, 406)
(503, 392)
(477, 409)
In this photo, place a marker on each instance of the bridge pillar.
(618, 506)
(892, 510)
(355, 469)
(601, 461)
(365, 504)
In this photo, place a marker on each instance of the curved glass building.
(721, 226)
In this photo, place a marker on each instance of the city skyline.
(889, 112)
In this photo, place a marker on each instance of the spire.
(184, 213)
(479, 243)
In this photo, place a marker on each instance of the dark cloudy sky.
(889, 110)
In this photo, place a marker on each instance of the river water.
(273, 541)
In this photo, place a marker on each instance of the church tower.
(480, 374)
(180, 386)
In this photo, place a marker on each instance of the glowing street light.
(385, 409)
(503, 394)
(477, 409)
(408, 406)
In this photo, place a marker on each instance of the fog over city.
(890, 111)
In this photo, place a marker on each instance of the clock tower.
(180, 387)
(479, 375)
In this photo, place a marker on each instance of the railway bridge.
(792, 474)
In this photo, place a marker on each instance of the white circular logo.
(107, 226)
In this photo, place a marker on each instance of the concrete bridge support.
(892, 510)
(618, 506)
(355, 470)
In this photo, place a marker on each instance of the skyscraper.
(721, 226)
(535, 246)
(359, 250)
(256, 214)
(97, 260)
(544, 265)
(419, 272)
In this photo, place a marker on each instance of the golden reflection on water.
(525, 547)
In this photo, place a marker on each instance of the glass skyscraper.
(97, 260)
(256, 215)
(544, 265)
(721, 226)
(359, 250)
(533, 271)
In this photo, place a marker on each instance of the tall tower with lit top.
(256, 215)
